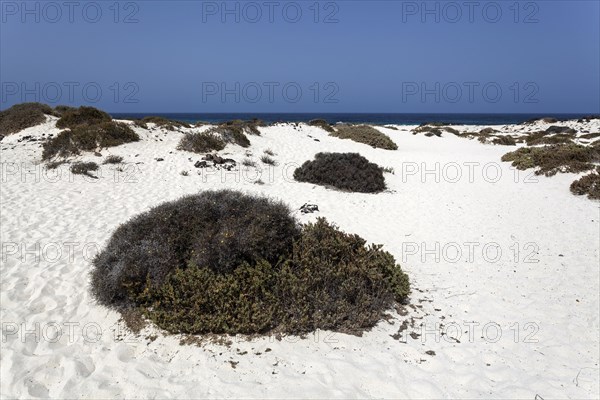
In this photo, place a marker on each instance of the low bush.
(84, 168)
(321, 123)
(201, 142)
(247, 162)
(224, 262)
(168, 124)
(266, 159)
(344, 171)
(553, 159)
(590, 135)
(88, 138)
(365, 134)
(250, 127)
(231, 134)
(74, 117)
(504, 140)
(589, 184)
(434, 130)
(23, 116)
(59, 111)
(113, 159)
(543, 137)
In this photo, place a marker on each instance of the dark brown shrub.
(113, 159)
(201, 142)
(168, 124)
(589, 184)
(88, 138)
(74, 117)
(84, 168)
(217, 230)
(23, 116)
(231, 134)
(365, 134)
(344, 171)
(543, 137)
(266, 159)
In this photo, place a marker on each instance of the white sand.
(547, 310)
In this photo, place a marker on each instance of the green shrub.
(168, 124)
(589, 184)
(83, 168)
(504, 140)
(321, 123)
(201, 142)
(543, 137)
(590, 135)
(59, 111)
(74, 117)
(23, 116)
(294, 282)
(88, 138)
(365, 134)
(344, 171)
(244, 126)
(553, 159)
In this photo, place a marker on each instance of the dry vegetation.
(344, 171)
(365, 134)
(225, 262)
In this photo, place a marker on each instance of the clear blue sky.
(351, 56)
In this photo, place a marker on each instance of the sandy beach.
(504, 269)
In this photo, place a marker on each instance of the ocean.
(370, 118)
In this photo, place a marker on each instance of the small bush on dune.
(113, 159)
(168, 124)
(344, 171)
(244, 126)
(84, 168)
(231, 134)
(266, 159)
(201, 142)
(542, 137)
(59, 111)
(269, 275)
(504, 140)
(589, 184)
(23, 116)
(74, 117)
(553, 159)
(88, 138)
(321, 123)
(365, 134)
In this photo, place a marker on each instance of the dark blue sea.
(376, 119)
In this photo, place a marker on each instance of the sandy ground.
(504, 267)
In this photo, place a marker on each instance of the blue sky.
(304, 56)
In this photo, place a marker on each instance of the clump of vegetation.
(247, 162)
(589, 184)
(23, 116)
(201, 142)
(269, 152)
(240, 126)
(266, 159)
(75, 117)
(434, 129)
(168, 124)
(344, 171)
(225, 262)
(321, 123)
(113, 159)
(543, 137)
(365, 134)
(590, 135)
(504, 140)
(553, 159)
(59, 111)
(54, 164)
(184, 173)
(84, 168)
(88, 138)
(231, 134)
